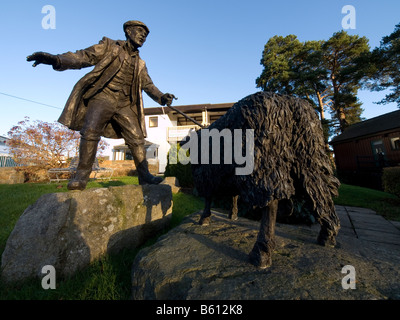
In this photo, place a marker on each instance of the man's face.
(137, 35)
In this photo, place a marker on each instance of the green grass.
(106, 279)
(385, 204)
(110, 277)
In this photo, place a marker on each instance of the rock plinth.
(173, 183)
(196, 262)
(70, 230)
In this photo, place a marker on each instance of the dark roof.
(189, 108)
(388, 121)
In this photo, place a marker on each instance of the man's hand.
(43, 57)
(167, 98)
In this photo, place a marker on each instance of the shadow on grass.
(115, 182)
(111, 184)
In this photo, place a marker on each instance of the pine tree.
(384, 67)
(324, 72)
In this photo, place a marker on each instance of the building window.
(377, 147)
(395, 143)
(153, 122)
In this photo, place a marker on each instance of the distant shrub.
(391, 180)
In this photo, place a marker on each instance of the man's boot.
(87, 155)
(142, 166)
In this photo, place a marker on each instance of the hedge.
(391, 180)
(182, 172)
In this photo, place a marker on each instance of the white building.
(165, 126)
(5, 157)
(4, 148)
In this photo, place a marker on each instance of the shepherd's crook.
(185, 115)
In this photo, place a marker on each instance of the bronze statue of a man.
(108, 100)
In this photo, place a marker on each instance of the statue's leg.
(142, 166)
(87, 155)
(233, 214)
(205, 218)
(99, 112)
(261, 255)
(132, 133)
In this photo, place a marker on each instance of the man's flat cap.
(132, 23)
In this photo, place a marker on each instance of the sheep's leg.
(261, 255)
(330, 226)
(205, 218)
(233, 214)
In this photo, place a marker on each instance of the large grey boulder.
(70, 230)
(196, 262)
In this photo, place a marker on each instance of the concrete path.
(365, 224)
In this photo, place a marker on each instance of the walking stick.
(185, 115)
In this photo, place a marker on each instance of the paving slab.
(360, 210)
(382, 226)
(344, 219)
(395, 223)
(367, 225)
(348, 231)
(378, 236)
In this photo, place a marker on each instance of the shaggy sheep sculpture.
(289, 162)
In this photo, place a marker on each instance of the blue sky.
(201, 51)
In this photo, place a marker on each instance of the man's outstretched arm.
(73, 60)
(44, 58)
